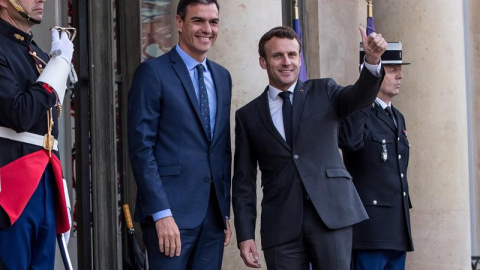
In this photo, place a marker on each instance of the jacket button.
(207, 179)
(401, 175)
(398, 139)
(295, 157)
(399, 156)
(383, 141)
(374, 202)
(404, 194)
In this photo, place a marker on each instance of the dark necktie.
(204, 109)
(287, 116)
(389, 112)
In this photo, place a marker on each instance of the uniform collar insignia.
(15, 34)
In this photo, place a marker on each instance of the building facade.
(440, 98)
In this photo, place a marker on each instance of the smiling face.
(391, 82)
(282, 62)
(198, 31)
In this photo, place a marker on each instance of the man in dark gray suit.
(375, 151)
(179, 146)
(309, 201)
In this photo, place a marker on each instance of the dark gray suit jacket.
(314, 161)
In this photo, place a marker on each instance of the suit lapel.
(299, 95)
(382, 115)
(264, 111)
(220, 96)
(182, 73)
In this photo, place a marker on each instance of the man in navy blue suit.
(179, 145)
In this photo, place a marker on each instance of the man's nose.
(400, 74)
(206, 28)
(286, 61)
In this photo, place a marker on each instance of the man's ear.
(3, 3)
(262, 62)
(178, 20)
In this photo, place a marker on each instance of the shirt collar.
(15, 34)
(382, 104)
(273, 92)
(189, 61)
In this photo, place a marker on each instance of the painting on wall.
(156, 28)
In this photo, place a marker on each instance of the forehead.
(277, 44)
(202, 10)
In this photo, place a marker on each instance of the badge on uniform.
(384, 154)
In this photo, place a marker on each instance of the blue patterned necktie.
(204, 109)
(287, 115)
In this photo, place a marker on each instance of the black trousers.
(323, 248)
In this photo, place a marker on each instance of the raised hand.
(374, 46)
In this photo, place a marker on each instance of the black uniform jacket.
(376, 153)
(23, 101)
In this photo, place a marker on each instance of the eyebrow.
(204, 19)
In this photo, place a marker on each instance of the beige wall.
(474, 38)
(433, 100)
(332, 39)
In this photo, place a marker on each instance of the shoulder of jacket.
(251, 105)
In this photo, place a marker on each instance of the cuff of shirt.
(374, 69)
(162, 214)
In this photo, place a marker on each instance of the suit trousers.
(324, 248)
(379, 259)
(202, 247)
(30, 242)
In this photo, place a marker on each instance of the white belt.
(25, 137)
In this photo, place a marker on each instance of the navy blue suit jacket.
(172, 159)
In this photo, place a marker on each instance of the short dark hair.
(280, 32)
(183, 4)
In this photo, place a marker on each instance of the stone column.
(332, 38)
(242, 24)
(433, 100)
(474, 76)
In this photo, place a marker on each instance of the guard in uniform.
(375, 151)
(33, 204)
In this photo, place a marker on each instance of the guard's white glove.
(61, 45)
(66, 235)
(58, 68)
